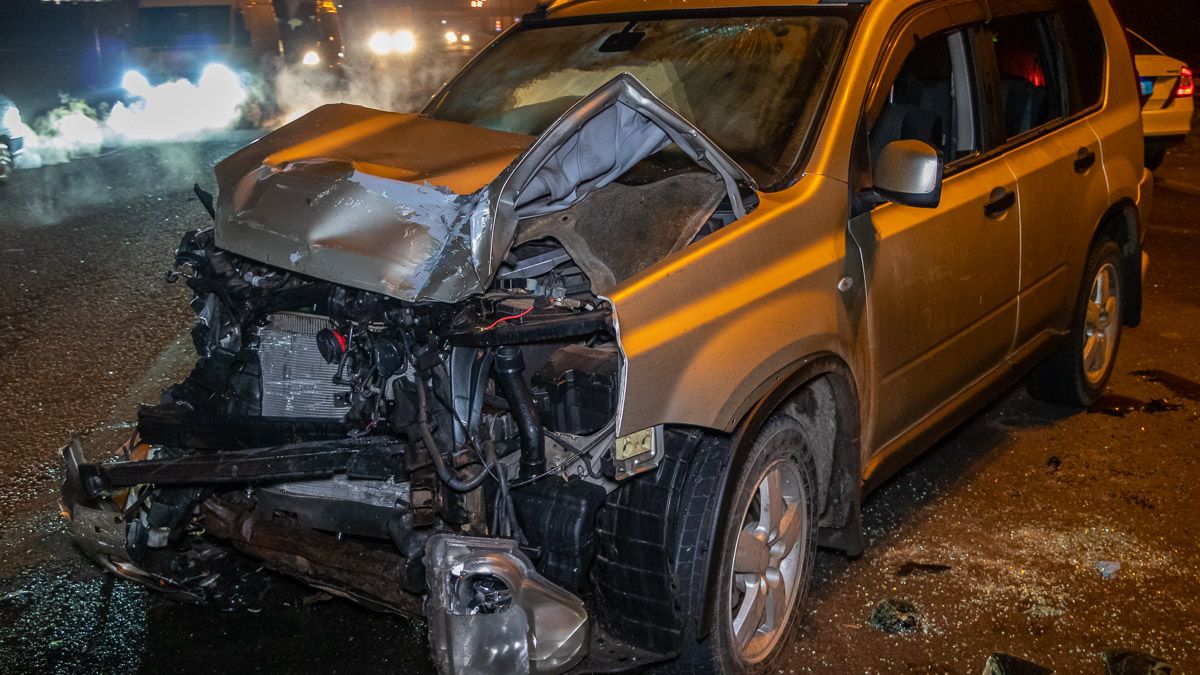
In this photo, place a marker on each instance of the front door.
(941, 283)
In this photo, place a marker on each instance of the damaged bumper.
(488, 608)
(99, 529)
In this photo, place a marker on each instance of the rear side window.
(1031, 88)
(1084, 55)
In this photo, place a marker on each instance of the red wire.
(501, 320)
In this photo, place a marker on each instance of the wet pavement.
(1049, 534)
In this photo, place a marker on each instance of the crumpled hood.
(422, 209)
(333, 192)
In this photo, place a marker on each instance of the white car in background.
(11, 138)
(1168, 90)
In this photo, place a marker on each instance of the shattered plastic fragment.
(896, 616)
(1006, 664)
(1121, 662)
(1108, 568)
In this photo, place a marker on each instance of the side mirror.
(909, 173)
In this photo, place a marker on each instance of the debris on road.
(896, 616)
(1006, 664)
(1181, 386)
(1121, 662)
(911, 568)
(1108, 568)
(1116, 405)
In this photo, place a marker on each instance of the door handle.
(1001, 201)
(1085, 160)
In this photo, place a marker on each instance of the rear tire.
(1078, 374)
(6, 162)
(1156, 154)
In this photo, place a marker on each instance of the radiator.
(296, 381)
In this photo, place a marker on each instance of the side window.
(1031, 92)
(1083, 55)
(932, 100)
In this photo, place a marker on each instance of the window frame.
(1051, 16)
(918, 23)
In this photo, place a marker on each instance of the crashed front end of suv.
(399, 366)
(411, 387)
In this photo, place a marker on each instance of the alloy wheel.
(768, 556)
(1102, 324)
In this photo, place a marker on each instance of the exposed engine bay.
(389, 423)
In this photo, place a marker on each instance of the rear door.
(1037, 106)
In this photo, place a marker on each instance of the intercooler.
(296, 381)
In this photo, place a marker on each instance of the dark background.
(76, 48)
(1169, 24)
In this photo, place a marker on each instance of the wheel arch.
(828, 383)
(1122, 224)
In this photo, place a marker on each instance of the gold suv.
(583, 362)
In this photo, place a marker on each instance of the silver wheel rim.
(767, 560)
(1102, 324)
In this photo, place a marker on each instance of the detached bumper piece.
(374, 457)
(489, 611)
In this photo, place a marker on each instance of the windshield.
(751, 84)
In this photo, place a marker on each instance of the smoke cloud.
(221, 100)
(402, 84)
(170, 111)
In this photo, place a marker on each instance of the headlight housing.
(12, 120)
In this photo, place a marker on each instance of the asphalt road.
(1004, 523)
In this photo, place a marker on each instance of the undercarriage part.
(444, 471)
(373, 576)
(375, 457)
(510, 370)
(366, 508)
(559, 519)
(576, 391)
(491, 612)
(176, 426)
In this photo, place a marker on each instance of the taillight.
(1187, 85)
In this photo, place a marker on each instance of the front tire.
(764, 555)
(1079, 373)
